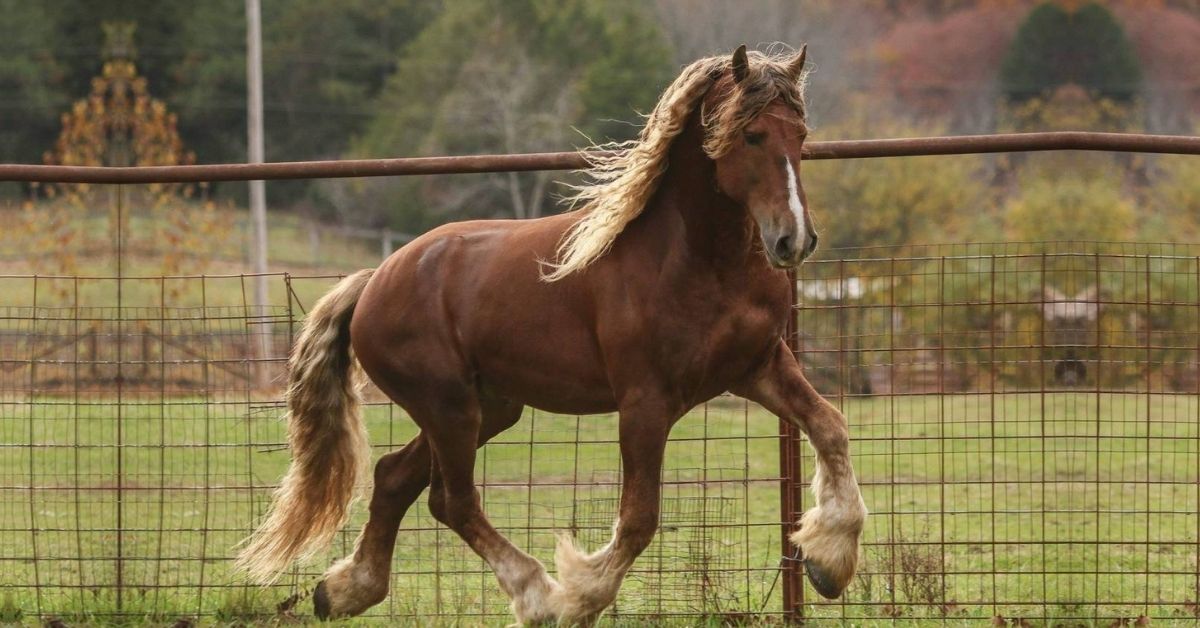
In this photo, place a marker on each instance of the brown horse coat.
(666, 290)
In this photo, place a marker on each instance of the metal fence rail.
(837, 149)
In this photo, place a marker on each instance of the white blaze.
(795, 205)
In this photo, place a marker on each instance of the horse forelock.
(769, 79)
(622, 177)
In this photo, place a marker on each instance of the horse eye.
(754, 139)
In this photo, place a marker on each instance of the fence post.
(792, 476)
(386, 241)
(314, 242)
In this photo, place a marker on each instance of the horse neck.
(691, 221)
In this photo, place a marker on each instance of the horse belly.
(543, 361)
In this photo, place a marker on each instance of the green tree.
(1056, 46)
(1173, 200)
(322, 63)
(1070, 198)
(517, 76)
(32, 81)
(873, 202)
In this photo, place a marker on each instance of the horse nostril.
(812, 244)
(783, 247)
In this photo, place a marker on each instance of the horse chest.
(714, 344)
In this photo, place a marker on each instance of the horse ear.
(797, 65)
(741, 65)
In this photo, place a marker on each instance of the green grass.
(1017, 504)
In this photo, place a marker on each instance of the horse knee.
(830, 435)
(836, 441)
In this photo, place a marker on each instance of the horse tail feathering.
(327, 438)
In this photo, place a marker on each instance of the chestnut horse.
(668, 286)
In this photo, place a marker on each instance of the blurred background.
(143, 82)
(1025, 413)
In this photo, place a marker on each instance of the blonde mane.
(622, 177)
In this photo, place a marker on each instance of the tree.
(503, 77)
(1167, 41)
(1172, 212)
(32, 81)
(870, 202)
(835, 31)
(946, 68)
(323, 63)
(120, 124)
(1056, 47)
(1065, 200)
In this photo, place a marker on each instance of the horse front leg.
(590, 581)
(829, 532)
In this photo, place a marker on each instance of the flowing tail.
(327, 438)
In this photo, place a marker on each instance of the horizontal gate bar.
(465, 164)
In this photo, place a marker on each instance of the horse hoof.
(821, 581)
(321, 605)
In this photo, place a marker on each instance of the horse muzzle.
(784, 251)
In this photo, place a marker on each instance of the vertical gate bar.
(746, 538)
(843, 310)
(120, 470)
(33, 527)
(1149, 400)
(891, 483)
(289, 297)
(75, 429)
(704, 565)
(941, 331)
(1099, 391)
(1197, 428)
(992, 420)
(248, 388)
(790, 473)
(1041, 358)
(162, 434)
(206, 399)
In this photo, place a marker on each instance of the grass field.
(1075, 506)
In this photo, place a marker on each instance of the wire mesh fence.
(1025, 422)
(141, 440)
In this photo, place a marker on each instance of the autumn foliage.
(120, 124)
(936, 65)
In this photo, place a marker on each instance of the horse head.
(755, 126)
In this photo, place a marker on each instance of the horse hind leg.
(360, 580)
(455, 502)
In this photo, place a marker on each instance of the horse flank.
(625, 175)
